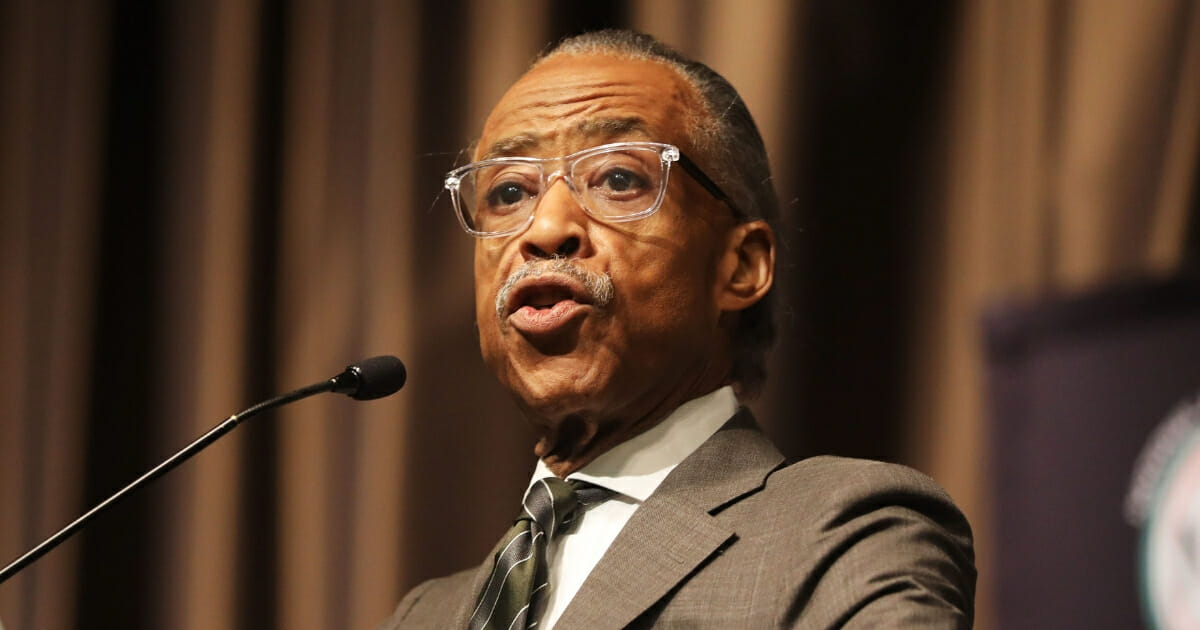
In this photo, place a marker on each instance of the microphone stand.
(166, 466)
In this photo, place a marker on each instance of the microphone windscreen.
(377, 377)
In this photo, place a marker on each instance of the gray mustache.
(599, 286)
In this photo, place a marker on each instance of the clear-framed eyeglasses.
(618, 182)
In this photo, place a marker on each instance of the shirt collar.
(636, 467)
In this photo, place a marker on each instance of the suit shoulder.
(842, 488)
(857, 475)
(883, 535)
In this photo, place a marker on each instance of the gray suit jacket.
(734, 539)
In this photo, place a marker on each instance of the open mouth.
(545, 305)
(544, 297)
(543, 293)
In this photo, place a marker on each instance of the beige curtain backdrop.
(1068, 152)
(1071, 133)
(50, 119)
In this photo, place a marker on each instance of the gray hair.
(732, 152)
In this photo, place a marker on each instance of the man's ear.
(747, 267)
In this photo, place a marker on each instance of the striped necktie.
(519, 579)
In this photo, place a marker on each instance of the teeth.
(547, 299)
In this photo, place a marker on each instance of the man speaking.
(621, 203)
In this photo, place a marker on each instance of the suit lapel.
(676, 529)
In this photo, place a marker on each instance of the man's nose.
(560, 225)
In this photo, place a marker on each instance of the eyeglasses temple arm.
(708, 184)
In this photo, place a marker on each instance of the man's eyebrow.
(605, 128)
(512, 145)
(611, 127)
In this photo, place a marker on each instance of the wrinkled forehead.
(570, 102)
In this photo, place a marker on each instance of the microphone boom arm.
(163, 468)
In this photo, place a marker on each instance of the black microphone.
(371, 378)
(366, 380)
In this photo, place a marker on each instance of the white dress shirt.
(634, 469)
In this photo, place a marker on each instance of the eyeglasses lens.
(611, 184)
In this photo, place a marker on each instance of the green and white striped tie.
(510, 600)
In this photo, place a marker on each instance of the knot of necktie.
(553, 504)
(550, 505)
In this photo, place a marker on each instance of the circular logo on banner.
(1164, 501)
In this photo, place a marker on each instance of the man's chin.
(547, 397)
(555, 390)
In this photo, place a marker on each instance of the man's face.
(577, 366)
